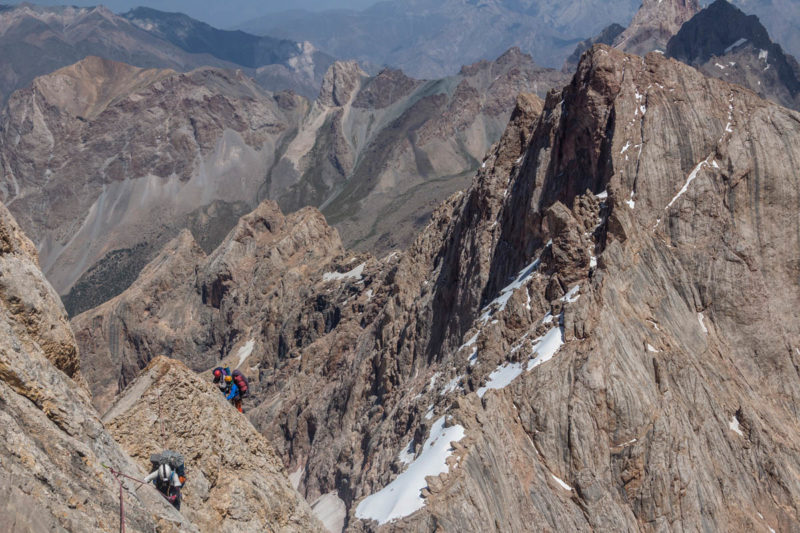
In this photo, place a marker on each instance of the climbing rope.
(118, 476)
(160, 423)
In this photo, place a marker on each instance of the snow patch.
(245, 351)
(473, 357)
(402, 496)
(502, 376)
(603, 195)
(505, 294)
(650, 348)
(689, 180)
(734, 425)
(737, 44)
(631, 203)
(701, 318)
(546, 347)
(561, 482)
(763, 54)
(572, 296)
(429, 412)
(296, 476)
(354, 274)
(451, 385)
(625, 148)
(406, 455)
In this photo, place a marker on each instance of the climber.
(233, 393)
(220, 373)
(168, 481)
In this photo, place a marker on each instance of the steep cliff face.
(236, 482)
(721, 41)
(53, 445)
(601, 324)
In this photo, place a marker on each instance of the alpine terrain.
(103, 163)
(598, 334)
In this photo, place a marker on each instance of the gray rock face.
(607, 314)
(53, 445)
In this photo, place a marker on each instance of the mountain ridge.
(513, 316)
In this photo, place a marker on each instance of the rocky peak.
(384, 89)
(724, 42)
(340, 83)
(713, 31)
(235, 479)
(88, 87)
(36, 307)
(654, 24)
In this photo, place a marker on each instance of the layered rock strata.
(593, 324)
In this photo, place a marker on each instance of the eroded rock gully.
(608, 314)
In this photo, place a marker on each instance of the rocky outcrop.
(602, 326)
(53, 447)
(654, 24)
(236, 482)
(340, 83)
(184, 303)
(721, 41)
(94, 153)
(607, 36)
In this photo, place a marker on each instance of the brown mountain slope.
(103, 163)
(381, 155)
(236, 481)
(604, 322)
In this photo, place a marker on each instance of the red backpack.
(241, 382)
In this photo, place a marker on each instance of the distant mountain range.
(37, 40)
(433, 38)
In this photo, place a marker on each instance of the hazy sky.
(214, 12)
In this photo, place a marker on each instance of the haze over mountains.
(510, 298)
(37, 40)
